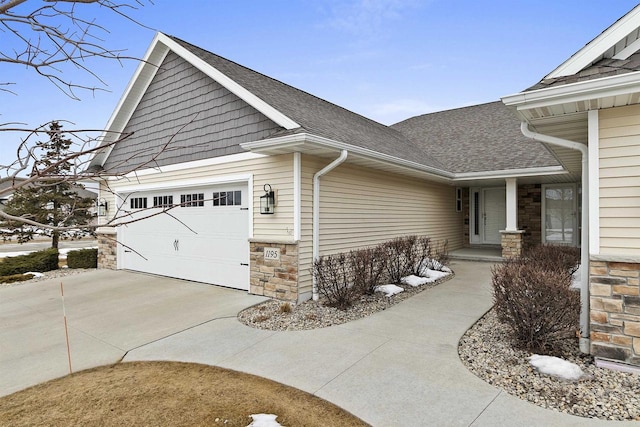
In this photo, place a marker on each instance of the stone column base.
(271, 277)
(614, 286)
(511, 243)
(107, 248)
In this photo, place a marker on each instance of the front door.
(488, 215)
(495, 215)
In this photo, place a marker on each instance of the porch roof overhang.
(562, 111)
(318, 146)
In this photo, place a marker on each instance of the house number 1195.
(272, 254)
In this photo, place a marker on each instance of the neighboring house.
(211, 136)
(7, 189)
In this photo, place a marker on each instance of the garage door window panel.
(227, 198)
(138, 203)
(192, 200)
(162, 201)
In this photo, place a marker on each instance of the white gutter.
(316, 213)
(584, 249)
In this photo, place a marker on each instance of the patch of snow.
(414, 280)
(34, 273)
(389, 290)
(576, 278)
(264, 420)
(434, 275)
(556, 367)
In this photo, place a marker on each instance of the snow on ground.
(264, 420)
(389, 290)
(576, 278)
(556, 367)
(63, 252)
(414, 280)
(34, 273)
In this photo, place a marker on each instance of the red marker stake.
(66, 331)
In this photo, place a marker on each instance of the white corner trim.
(297, 204)
(250, 205)
(230, 84)
(598, 46)
(594, 182)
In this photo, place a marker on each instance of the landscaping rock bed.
(602, 393)
(53, 274)
(281, 316)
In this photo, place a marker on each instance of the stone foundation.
(511, 243)
(615, 310)
(107, 248)
(274, 278)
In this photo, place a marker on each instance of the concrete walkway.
(399, 367)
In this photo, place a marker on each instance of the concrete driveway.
(108, 312)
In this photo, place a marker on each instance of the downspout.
(584, 250)
(316, 213)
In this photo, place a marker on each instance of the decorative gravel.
(602, 393)
(54, 274)
(276, 315)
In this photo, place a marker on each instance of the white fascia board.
(221, 160)
(140, 81)
(305, 138)
(575, 92)
(183, 183)
(510, 173)
(230, 84)
(627, 51)
(598, 46)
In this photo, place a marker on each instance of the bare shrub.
(334, 279)
(536, 303)
(440, 252)
(368, 268)
(285, 307)
(421, 254)
(553, 257)
(400, 257)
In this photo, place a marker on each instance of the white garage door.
(203, 238)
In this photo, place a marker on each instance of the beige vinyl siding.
(619, 152)
(274, 170)
(362, 207)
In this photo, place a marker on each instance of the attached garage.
(199, 233)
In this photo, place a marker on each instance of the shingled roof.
(317, 116)
(604, 68)
(479, 138)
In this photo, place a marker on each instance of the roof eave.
(612, 86)
(301, 141)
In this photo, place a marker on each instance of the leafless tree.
(51, 37)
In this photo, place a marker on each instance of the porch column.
(512, 204)
(511, 237)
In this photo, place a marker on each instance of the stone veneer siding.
(615, 310)
(511, 243)
(530, 214)
(271, 278)
(107, 249)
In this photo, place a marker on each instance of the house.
(8, 184)
(209, 139)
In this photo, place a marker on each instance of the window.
(476, 213)
(138, 202)
(458, 199)
(162, 201)
(192, 200)
(227, 198)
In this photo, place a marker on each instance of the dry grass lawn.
(166, 394)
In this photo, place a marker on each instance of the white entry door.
(487, 214)
(204, 237)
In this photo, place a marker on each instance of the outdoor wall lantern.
(268, 201)
(103, 207)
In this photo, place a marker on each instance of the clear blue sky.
(385, 59)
